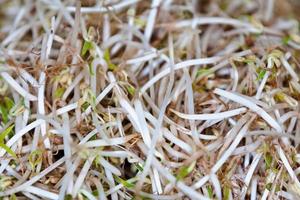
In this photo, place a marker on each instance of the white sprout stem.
(16, 35)
(157, 182)
(71, 87)
(115, 189)
(287, 166)
(99, 98)
(201, 182)
(250, 172)
(120, 154)
(235, 76)
(41, 17)
(217, 186)
(33, 179)
(294, 45)
(226, 62)
(40, 192)
(295, 85)
(110, 167)
(232, 147)
(82, 175)
(20, 133)
(106, 27)
(151, 19)
(132, 115)
(50, 38)
(110, 42)
(288, 115)
(225, 155)
(142, 59)
(41, 108)
(184, 64)
(166, 101)
(289, 68)
(189, 191)
(264, 80)
(174, 153)
(35, 140)
(217, 20)
(26, 112)
(168, 135)
(66, 109)
(174, 115)
(12, 172)
(247, 148)
(285, 195)
(88, 10)
(142, 121)
(87, 194)
(231, 134)
(28, 77)
(30, 196)
(67, 142)
(64, 11)
(4, 164)
(18, 18)
(95, 131)
(153, 183)
(100, 188)
(98, 126)
(252, 106)
(66, 183)
(269, 11)
(14, 84)
(111, 182)
(253, 188)
(270, 179)
(213, 116)
(191, 105)
(107, 142)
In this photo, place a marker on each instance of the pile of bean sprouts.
(152, 99)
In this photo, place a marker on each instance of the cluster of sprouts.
(149, 99)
